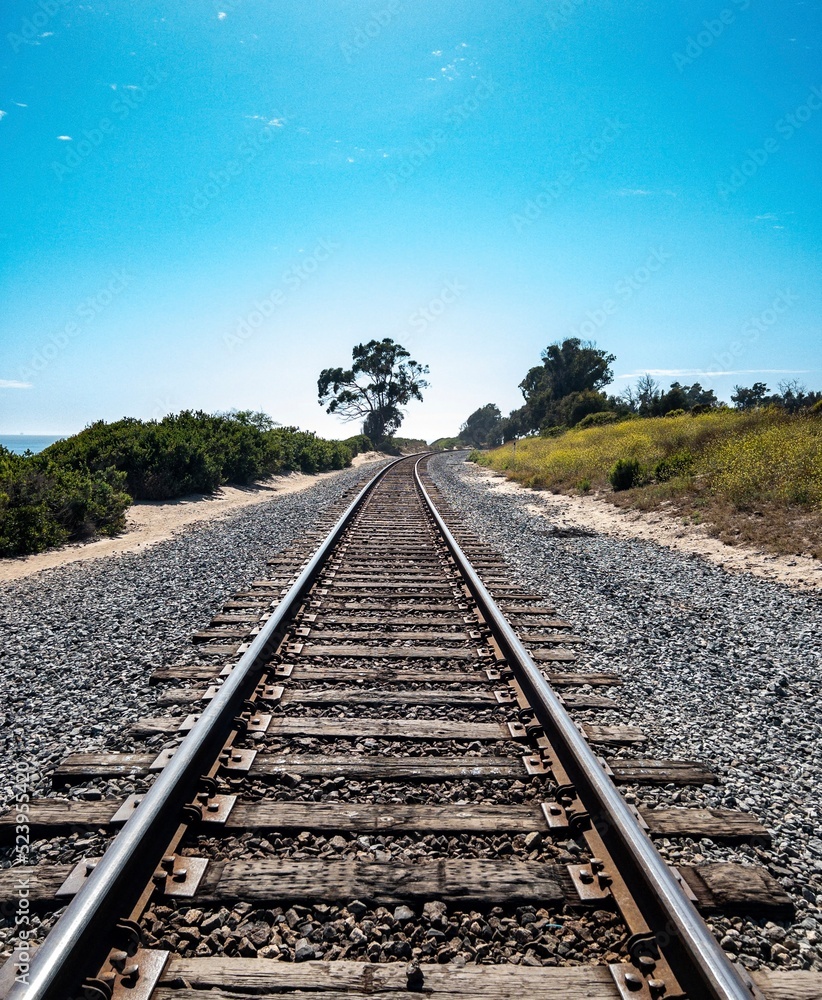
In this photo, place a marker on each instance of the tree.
(382, 380)
(568, 367)
(647, 395)
(697, 396)
(748, 399)
(676, 398)
(793, 396)
(482, 428)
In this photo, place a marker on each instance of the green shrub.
(196, 452)
(597, 419)
(584, 485)
(474, 456)
(82, 485)
(359, 444)
(626, 473)
(679, 464)
(405, 446)
(43, 505)
(448, 444)
(675, 413)
(552, 432)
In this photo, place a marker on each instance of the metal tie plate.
(162, 759)
(126, 810)
(140, 975)
(555, 816)
(589, 884)
(180, 876)
(237, 761)
(76, 878)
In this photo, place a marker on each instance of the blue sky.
(207, 203)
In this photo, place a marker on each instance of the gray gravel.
(80, 642)
(720, 668)
(428, 933)
(461, 792)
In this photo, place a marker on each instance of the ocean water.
(18, 443)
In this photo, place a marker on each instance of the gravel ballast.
(717, 667)
(80, 642)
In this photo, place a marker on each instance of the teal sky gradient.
(205, 204)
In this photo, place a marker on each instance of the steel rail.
(125, 869)
(708, 972)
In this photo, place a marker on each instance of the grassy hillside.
(753, 476)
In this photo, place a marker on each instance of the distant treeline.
(565, 391)
(83, 485)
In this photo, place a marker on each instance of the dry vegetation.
(751, 477)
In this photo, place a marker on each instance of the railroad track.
(385, 773)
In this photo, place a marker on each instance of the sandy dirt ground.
(149, 522)
(596, 514)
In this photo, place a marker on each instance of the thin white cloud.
(270, 122)
(3, 115)
(10, 383)
(19, 105)
(766, 217)
(64, 138)
(643, 192)
(681, 372)
(222, 16)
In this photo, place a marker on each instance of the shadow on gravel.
(557, 532)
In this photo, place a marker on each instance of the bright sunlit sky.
(474, 179)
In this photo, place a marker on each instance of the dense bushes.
(679, 464)
(448, 444)
(359, 444)
(598, 419)
(83, 485)
(195, 452)
(43, 504)
(625, 474)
